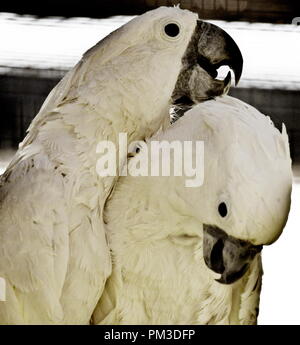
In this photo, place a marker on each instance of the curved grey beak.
(210, 48)
(216, 48)
(227, 255)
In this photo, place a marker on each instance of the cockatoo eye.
(222, 209)
(172, 30)
(134, 148)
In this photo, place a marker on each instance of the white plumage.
(53, 251)
(155, 224)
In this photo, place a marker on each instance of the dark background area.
(22, 96)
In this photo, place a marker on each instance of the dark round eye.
(222, 208)
(137, 150)
(172, 29)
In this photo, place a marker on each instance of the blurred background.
(40, 42)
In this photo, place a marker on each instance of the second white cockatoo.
(54, 256)
(191, 254)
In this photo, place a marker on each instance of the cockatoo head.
(164, 56)
(244, 200)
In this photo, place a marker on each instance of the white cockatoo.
(170, 242)
(54, 256)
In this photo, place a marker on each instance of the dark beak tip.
(221, 281)
(235, 56)
(224, 282)
(227, 80)
(238, 73)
